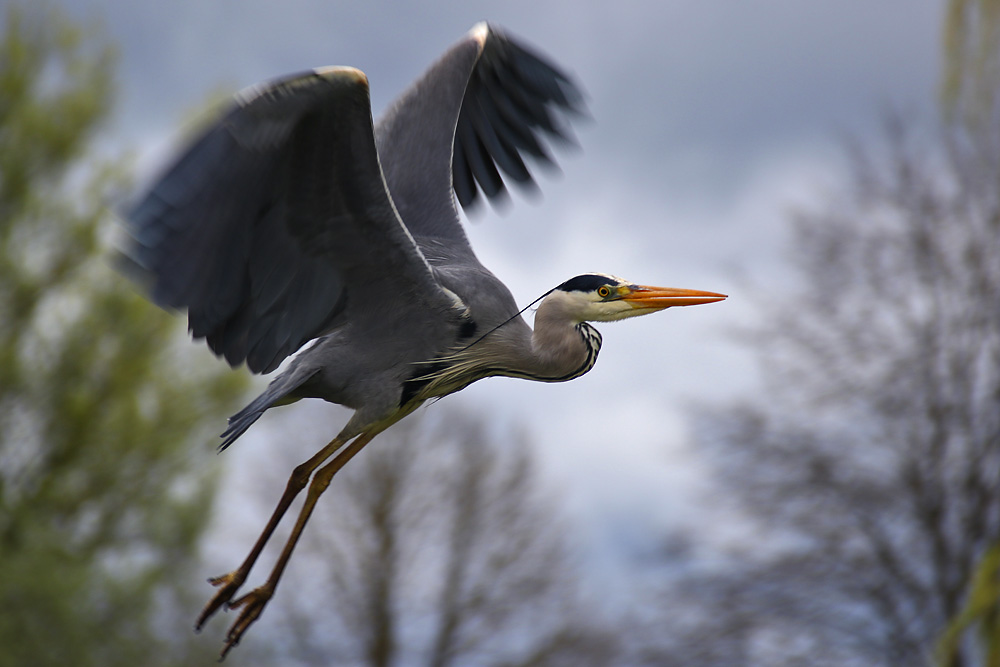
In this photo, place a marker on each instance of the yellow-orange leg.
(229, 583)
(253, 602)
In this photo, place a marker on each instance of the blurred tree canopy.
(981, 611)
(436, 547)
(99, 404)
(871, 463)
(971, 83)
(971, 94)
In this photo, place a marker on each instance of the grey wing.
(483, 106)
(274, 218)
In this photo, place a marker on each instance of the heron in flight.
(294, 219)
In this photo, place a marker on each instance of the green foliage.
(971, 92)
(982, 609)
(970, 86)
(101, 501)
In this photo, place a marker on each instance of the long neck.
(562, 348)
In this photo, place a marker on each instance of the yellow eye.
(604, 291)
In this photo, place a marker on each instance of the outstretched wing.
(271, 220)
(478, 111)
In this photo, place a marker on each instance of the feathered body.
(295, 221)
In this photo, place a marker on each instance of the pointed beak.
(658, 298)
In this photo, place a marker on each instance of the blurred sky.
(712, 120)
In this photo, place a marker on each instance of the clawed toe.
(252, 604)
(227, 584)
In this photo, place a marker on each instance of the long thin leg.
(253, 602)
(229, 583)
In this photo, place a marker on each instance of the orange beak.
(658, 298)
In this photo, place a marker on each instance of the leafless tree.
(439, 547)
(871, 463)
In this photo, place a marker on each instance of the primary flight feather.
(293, 219)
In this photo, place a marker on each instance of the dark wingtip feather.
(514, 97)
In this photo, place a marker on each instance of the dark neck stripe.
(591, 338)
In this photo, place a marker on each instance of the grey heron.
(294, 219)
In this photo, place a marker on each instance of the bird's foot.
(227, 584)
(253, 604)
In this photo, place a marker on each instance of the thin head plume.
(508, 320)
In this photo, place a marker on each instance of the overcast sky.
(711, 121)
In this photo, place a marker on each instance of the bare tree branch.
(439, 548)
(873, 463)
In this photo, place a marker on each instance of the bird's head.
(597, 297)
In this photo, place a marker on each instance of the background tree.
(971, 94)
(971, 83)
(980, 612)
(872, 464)
(437, 548)
(99, 405)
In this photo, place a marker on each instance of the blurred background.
(805, 474)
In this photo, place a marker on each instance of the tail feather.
(278, 390)
(241, 421)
